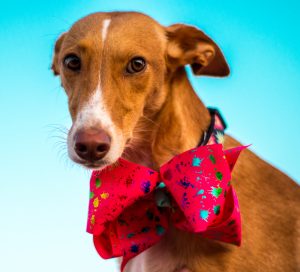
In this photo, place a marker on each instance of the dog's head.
(114, 67)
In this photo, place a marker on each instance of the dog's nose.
(91, 144)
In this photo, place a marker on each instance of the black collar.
(215, 131)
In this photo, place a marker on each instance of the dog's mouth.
(91, 165)
(95, 165)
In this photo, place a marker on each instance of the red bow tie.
(131, 206)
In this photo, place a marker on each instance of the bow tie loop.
(198, 181)
(114, 189)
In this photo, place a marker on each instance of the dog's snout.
(92, 144)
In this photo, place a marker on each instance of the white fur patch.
(106, 24)
(94, 114)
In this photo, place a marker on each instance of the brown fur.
(160, 115)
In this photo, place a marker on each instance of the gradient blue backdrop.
(43, 201)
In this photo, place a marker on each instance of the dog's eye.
(136, 65)
(72, 62)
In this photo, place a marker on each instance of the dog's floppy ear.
(189, 45)
(55, 65)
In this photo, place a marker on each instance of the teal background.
(43, 196)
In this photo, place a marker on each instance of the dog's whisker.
(150, 120)
(57, 127)
(58, 137)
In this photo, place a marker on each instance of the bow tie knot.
(132, 206)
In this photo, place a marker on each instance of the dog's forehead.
(135, 25)
(117, 28)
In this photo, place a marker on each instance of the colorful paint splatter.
(146, 186)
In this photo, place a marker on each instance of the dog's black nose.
(91, 144)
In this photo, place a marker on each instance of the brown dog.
(129, 96)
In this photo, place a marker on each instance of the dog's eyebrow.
(82, 45)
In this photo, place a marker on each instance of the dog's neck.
(176, 127)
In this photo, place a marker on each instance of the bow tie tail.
(233, 154)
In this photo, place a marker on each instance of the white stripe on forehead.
(105, 26)
(94, 113)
